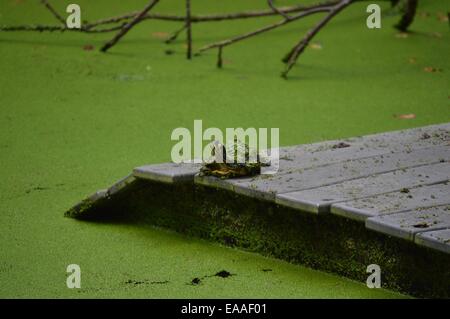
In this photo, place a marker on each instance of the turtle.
(230, 166)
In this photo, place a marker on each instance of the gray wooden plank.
(405, 199)
(437, 239)
(319, 200)
(267, 186)
(407, 224)
(302, 179)
(297, 158)
(324, 153)
(168, 172)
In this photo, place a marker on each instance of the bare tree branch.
(211, 17)
(219, 58)
(165, 17)
(233, 40)
(289, 14)
(408, 15)
(300, 47)
(53, 11)
(188, 30)
(175, 34)
(129, 25)
(275, 9)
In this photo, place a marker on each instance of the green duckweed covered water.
(74, 120)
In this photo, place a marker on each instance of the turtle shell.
(232, 160)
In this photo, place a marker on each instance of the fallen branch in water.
(125, 22)
(409, 12)
(87, 26)
(54, 12)
(124, 30)
(300, 47)
(188, 30)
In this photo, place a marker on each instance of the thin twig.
(263, 29)
(175, 34)
(53, 11)
(288, 55)
(188, 30)
(275, 9)
(219, 58)
(129, 25)
(300, 47)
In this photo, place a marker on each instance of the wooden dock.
(387, 193)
